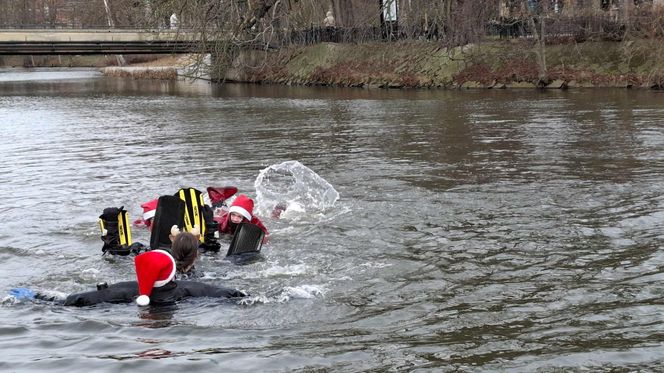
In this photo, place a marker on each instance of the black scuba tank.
(115, 231)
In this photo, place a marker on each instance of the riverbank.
(493, 64)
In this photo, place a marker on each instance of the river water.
(476, 231)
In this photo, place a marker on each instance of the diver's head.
(242, 208)
(149, 210)
(185, 251)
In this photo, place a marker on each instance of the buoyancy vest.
(193, 200)
(115, 231)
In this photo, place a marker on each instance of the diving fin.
(248, 238)
(170, 211)
(218, 195)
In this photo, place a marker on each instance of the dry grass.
(162, 73)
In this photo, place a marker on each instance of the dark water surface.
(476, 231)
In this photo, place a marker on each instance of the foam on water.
(287, 294)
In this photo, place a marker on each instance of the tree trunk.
(52, 12)
(109, 19)
(120, 58)
(343, 12)
(540, 36)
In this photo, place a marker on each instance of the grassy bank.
(493, 64)
(154, 73)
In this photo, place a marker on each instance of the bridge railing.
(5, 27)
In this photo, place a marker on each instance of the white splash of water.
(9, 300)
(290, 190)
(301, 292)
(90, 274)
(288, 293)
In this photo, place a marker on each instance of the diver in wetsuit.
(241, 211)
(156, 284)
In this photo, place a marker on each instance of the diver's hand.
(22, 293)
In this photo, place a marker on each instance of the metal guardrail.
(37, 26)
(87, 48)
(96, 41)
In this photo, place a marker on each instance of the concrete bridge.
(96, 41)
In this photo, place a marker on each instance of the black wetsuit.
(126, 292)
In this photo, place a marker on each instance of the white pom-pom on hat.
(143, 300)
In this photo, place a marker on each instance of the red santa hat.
(242, 205)
(154, 269)
(149, 209)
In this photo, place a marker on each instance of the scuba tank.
(115, 231)
(197, 213)
(170, 211)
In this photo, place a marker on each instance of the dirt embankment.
(494, 64)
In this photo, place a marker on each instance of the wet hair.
(185, 250)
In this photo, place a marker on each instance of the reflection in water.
(475, 230)
(157, 316)
(41, 75)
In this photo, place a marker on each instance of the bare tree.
(343, 12)
(537, 22)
